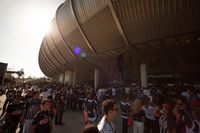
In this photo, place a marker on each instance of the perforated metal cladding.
(66, 20)
(48, 57)
(75, 39)
(102, 32)
(144, 20)
(43, 59)
(53, 49)
(64, 51)
(85, 9)
(49, 42)
(46, 62)
(60, 44)
(43, 67)
(55, 33)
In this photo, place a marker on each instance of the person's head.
(110, 108)
(36, 94)
(45, 105)
(166, 109)
(180, 102)
(19, 92)
(16, 98)
(125, 97)
(137, 105)
(29, 92)
(196, 113)
(90, 129)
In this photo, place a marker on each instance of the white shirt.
(44, 95)
(127, 90)
(113, 92)
(150, 112)
(105, 127)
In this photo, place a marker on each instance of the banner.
(3, 68)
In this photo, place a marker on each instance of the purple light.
(77, 50)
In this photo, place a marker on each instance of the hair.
(108, 105)
(45, 101)
(35, 92)
(90, 129)
(137, 104)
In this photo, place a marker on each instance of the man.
(106, 124)
(42, 122)
(9, 96)
(60, 104)
(32, 107)
(91, 107)
(13, 114)
(125, 111)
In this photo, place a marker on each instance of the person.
(42, 123)
(106, 124)
(31, 108)
(60, 104)
(91, 107)
(90, 129)
(139, 116)
(151, 111)
(13, 114)
(163, 118)
(9, 96)
(125, 110)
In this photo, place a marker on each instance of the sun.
(36, 20)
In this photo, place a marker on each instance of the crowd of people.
(156, 109)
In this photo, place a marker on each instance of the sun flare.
(36, 21)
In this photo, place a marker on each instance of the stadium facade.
(122, 40)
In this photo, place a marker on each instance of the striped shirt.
(163, 124)
(125, 107)
(32, 106)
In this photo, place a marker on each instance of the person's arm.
(33, 127)
(24, 113)
(8, 118)
(51, 125)
(34, 123)
(4, 106)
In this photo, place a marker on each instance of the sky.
(23, 24)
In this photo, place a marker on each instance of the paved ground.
(74, 121)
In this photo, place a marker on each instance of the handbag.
(130, 120)
(85, 117)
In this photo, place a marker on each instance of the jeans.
(138, 127)
(27, 126)
(124, 125)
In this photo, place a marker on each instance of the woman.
(138, 116)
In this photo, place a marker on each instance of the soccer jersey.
(33, 106)
(15, 111)
(125, 107)
(42, 121)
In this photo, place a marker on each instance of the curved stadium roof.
(164, 34)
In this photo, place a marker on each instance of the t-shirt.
(91, 105)
(106, 127)
(138, 116)
(33, 106)
(15, 111)
(125, 107)
(42, 121)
